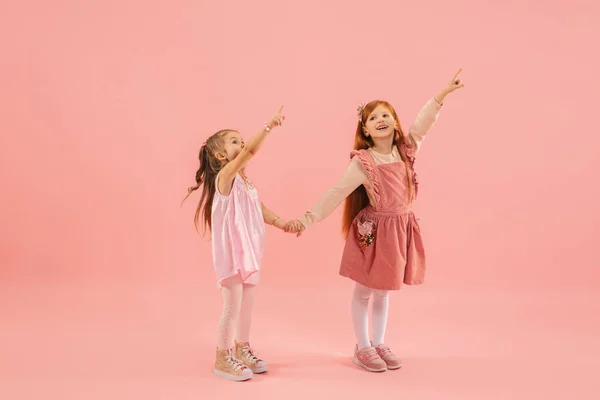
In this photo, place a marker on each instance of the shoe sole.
(236, 378)
(260, 370)
(363, 366)
(394, 368)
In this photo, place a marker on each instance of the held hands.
(294, 226)
(289, 226)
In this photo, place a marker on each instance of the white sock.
(381, 303)
(360, 315)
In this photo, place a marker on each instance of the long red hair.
(359, 199)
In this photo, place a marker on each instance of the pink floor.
(156, 341)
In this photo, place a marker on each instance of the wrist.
(304, 222)
(278, 223)
(269, 126)
(439, 98)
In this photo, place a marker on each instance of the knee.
(381, 294)
(361, 293)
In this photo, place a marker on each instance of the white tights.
(238, 300)
(360, 315)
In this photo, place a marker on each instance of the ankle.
(361, 347)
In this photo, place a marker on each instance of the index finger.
(280, 110)
(456, 75)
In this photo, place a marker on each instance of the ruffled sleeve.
(372, 183)
(407, 149)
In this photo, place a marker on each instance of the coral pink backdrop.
(106, 285)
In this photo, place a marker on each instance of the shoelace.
(247, 351)
(371, 354)
(385, 351)
(236, 364)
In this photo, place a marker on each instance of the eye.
(372, 118)
(386, 115)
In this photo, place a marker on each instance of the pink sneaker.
(388, 357)
(369, 359)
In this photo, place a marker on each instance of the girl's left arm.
(271, 217)
(425, 120)
(429, 113)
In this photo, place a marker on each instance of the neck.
(383, 145)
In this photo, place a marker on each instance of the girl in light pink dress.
(384, 248)
(231, 209)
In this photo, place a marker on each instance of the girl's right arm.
(354, 177)
(250, 149)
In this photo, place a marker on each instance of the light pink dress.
(384, 247)
(238, 232)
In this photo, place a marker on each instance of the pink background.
(106, 285)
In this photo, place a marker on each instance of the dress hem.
(238, 271)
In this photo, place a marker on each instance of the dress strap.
(369, 165)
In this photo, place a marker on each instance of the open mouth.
(382, 127)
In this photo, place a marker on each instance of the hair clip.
(203, 143)
(360, 109)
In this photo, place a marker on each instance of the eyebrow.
(383, 112)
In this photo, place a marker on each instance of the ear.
(220, 156)
(365, 132)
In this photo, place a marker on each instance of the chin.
(383, 135)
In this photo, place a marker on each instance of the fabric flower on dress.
(366, 233)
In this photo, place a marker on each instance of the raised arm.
(425, 120)
(451, 86)
(230, 170)
(428, 115)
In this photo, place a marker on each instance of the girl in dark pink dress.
(384, 248)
